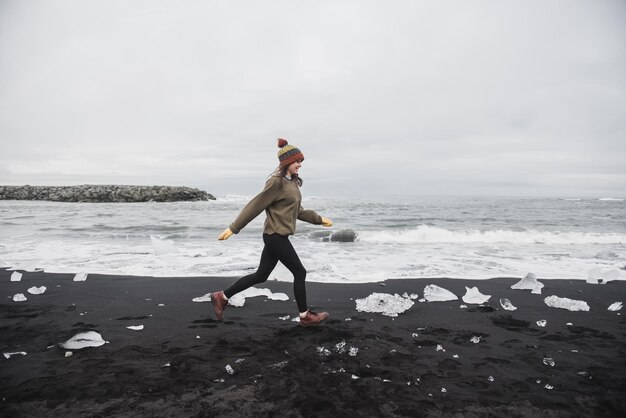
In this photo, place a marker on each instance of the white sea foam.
(111, 239)
(84, 340)
(162, 247)
(27, 264)
(431, 234)
(384, 303)
(566, 303)
(434, 293)
(473, 295)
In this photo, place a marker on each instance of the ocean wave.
(431, 234)
(610, 199)
(232, 198)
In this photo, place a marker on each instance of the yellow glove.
(225, 235)
(327, 222)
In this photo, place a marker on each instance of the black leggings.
(277, 248)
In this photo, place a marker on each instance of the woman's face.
(293, 168)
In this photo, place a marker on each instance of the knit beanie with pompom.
(288, 154)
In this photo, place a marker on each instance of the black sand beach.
(176, 365)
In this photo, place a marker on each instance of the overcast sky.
(408, 97)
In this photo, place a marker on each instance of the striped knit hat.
(288, 154)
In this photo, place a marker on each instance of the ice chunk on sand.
(434, 293)
(340, 347)
(610, 275)
(37, 290)
(507, 305)
(135, 327)
(322, 351)
(542, 323)
(594, 275)
(204, 298)
(80, 277)
(475, 339)
(162, 247)
(617, 306)
(597, 276)
(19, 298)
(389, 305)
(16, 276)
(529, 282)
(17, 353)
(239, 299)
(229, 369)
(537, 289)
(473, 295)
(83, 340)
(565, 303)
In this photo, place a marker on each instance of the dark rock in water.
(104, 193)
(343, 235)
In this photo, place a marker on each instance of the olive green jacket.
(281, 200)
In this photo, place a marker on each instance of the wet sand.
(176, 365)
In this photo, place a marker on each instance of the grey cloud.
(197, 92)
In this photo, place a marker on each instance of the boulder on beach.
(343, 235)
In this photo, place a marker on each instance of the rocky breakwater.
(104, 193)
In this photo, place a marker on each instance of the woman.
(281, 200)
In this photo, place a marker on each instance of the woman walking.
(280, 198)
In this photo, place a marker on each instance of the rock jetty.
(104, 193)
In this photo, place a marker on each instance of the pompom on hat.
(288, 154)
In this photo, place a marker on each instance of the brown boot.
(313, 318)
(219, 304)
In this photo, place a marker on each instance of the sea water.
(396, 237)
